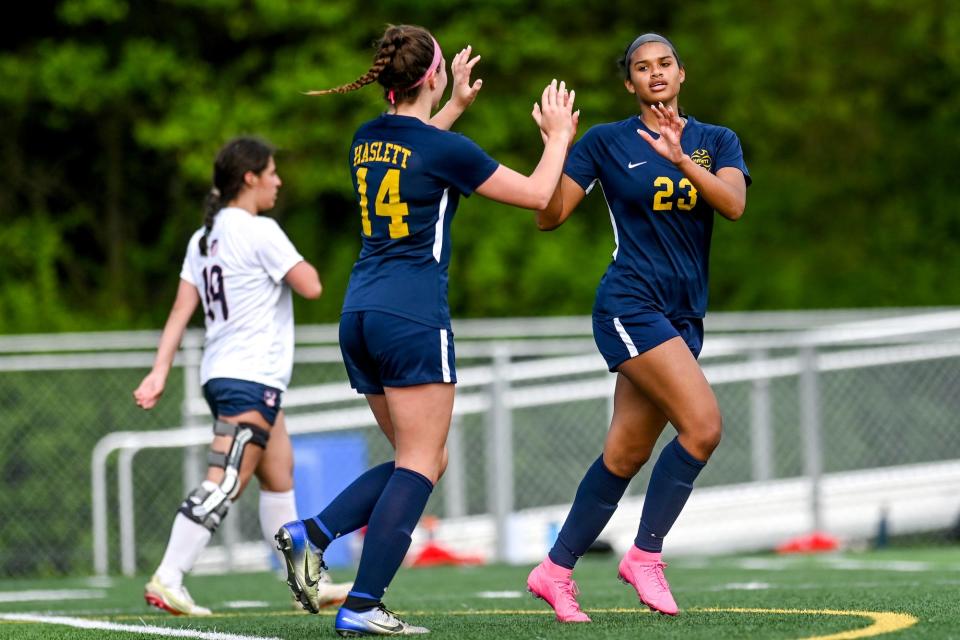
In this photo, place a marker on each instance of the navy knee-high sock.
(388, 535)
(670, 485)
(351, 509)
(596, 500)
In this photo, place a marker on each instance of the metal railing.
(533, 390)
(493, 391)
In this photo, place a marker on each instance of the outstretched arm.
(726, 191)
(566, 197)
(463, 93)
(536, 190)
(568, 193)
(151, 388)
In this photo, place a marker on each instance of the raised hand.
(671, 128)
(150, 390)
(538, 118)
(461, 66)
(554, 114)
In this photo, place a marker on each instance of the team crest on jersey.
(702, 158)
(270, 397)
(213, 247)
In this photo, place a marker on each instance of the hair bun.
(395, 37)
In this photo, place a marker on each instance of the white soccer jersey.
(248, 308)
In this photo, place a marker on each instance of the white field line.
(42, 595)
(889, 565)
(246, 604)
(743, 586)
(501, 594)
(81, 623)
(842, 564)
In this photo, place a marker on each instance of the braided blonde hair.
(403, 55)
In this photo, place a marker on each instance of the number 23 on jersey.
(663, 199)
(386, 204)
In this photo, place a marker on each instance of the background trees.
(849, 114)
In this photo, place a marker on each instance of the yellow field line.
(883, 621)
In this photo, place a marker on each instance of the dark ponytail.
(403, 55)
(211, 206)
(234, 160)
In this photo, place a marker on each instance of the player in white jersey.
(241, 267)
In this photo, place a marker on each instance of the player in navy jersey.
(409, 173)
(241, 268)
(663, 176)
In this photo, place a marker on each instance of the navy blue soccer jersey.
(661, 226)
(408, 177)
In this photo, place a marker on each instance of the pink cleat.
(553, 583)
(644, 571)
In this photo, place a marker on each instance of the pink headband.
(437, 57)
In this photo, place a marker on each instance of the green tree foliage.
(113, 110)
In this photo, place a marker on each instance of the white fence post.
(500, 450)
(128, 549)
(810, 427)
(98, 500)
(192, 458)
(761, 432)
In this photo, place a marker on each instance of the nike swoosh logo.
(306, 575)
(360, 622)
(393, 629)
(633, 165)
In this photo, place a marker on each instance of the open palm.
(671, 129)
(464, 93)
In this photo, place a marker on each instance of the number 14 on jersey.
(386, 204)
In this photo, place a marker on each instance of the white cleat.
(175, 600)
(331, 593)
(374, 622)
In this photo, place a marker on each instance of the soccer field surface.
(902, 593)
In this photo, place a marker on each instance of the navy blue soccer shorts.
(624, 337)
(230, 397)
(384, 350)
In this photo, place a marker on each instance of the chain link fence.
(811, 397)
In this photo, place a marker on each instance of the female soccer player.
(241, 267)
(395, 330)
(663, 175)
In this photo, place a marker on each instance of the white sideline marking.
(839, 563)
(41, 595)
(246, 604)
(103, 582)
(81, 623)
(500, 594)
(886, 565)
(744, 586)
(765, 564)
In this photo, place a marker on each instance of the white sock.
(276, 510)
(187, 540)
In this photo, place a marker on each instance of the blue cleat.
(375, 622)
(306, 573)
